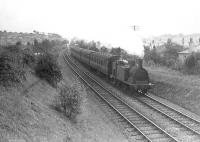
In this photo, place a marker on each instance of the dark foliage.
(168, 57)
(190, 62)
(18, 43)
(104, 49)
(69, 102)
(11, 72)
(116, 51)
(47, 69)
(152, 55)
(28, 59)
(91, 45)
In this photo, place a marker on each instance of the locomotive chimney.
(139, 62)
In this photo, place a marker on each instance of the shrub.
(177, 65)
(190, 62)
(47, 69)
(165, 55)
(69, 101)
(10, 72)
(152, 55)
(28, 59)
(197, 55)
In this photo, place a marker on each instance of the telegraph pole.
(135, 27)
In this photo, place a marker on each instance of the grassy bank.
(179, 88)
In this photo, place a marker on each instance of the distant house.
(185, 53)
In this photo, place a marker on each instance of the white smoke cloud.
(126, 39)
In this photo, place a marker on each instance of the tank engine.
(130, 74)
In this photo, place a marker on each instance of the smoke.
(128, 40)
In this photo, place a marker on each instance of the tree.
(191, 41)
(190, 61)
(183, 40)
(116, 51)
(92, 46)
(104, 49)
(36, 43)
(18, 43)
(28, 43)
(169, 41)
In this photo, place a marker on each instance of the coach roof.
(104, 55)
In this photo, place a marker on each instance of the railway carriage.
(75, 52)
(85, 56)
(102, 62)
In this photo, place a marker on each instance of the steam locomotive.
(129, 74)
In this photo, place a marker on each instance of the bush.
(28, 59)
(165, 55)
(190, 62)
(47, 69)
(69, 101)
(10, 72)
(152, 55)
(177, 65)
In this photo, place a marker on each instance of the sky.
(107, 21)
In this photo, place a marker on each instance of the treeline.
(15, 59)
(91, 45)
(169, 58)
(98, 47)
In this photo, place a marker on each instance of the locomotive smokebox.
(139, 63)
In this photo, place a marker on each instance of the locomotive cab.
(120, 70)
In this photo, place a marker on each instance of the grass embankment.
(179, 88)
(26, 101)
(29, 106)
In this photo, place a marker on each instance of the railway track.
(181, 121)
(143, 128)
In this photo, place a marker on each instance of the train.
(130, 74)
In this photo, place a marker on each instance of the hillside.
(27, 114)
(10, 38)
(176, 87)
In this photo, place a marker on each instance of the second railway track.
(182, 127)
